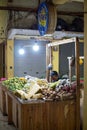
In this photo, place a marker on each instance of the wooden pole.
(78, 84)
(47, 62)
(70, 70)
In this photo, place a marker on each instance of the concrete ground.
(4, 123)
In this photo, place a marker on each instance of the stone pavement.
(4, 123)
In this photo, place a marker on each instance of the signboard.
(43, 18)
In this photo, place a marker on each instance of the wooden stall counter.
(40, 114)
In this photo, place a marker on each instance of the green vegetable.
(14, 83)
(54, 84)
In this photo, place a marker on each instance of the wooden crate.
(42, 115)
(3, 99)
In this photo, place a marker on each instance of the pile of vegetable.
(60, 89)
(34, 88)
(14, 83)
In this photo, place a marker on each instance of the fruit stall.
(37, 104)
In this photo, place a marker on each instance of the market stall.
(47, 113)
(37, 104)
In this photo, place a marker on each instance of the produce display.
(15, 83)
(35, 88)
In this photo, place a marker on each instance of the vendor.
(54, 76)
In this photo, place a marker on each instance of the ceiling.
(25, 11)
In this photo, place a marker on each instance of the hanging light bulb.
(21, 51)
(35, 47)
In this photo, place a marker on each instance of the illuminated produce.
(35, 88)
(14, 83)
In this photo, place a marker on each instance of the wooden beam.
(56, 2)
(14, 8)
(81, 14)
(60, 42)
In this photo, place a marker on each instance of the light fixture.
(35, 47)
(21, 51)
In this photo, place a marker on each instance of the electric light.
(21, 51)
(35, 47)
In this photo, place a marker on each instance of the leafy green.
(14, 83)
